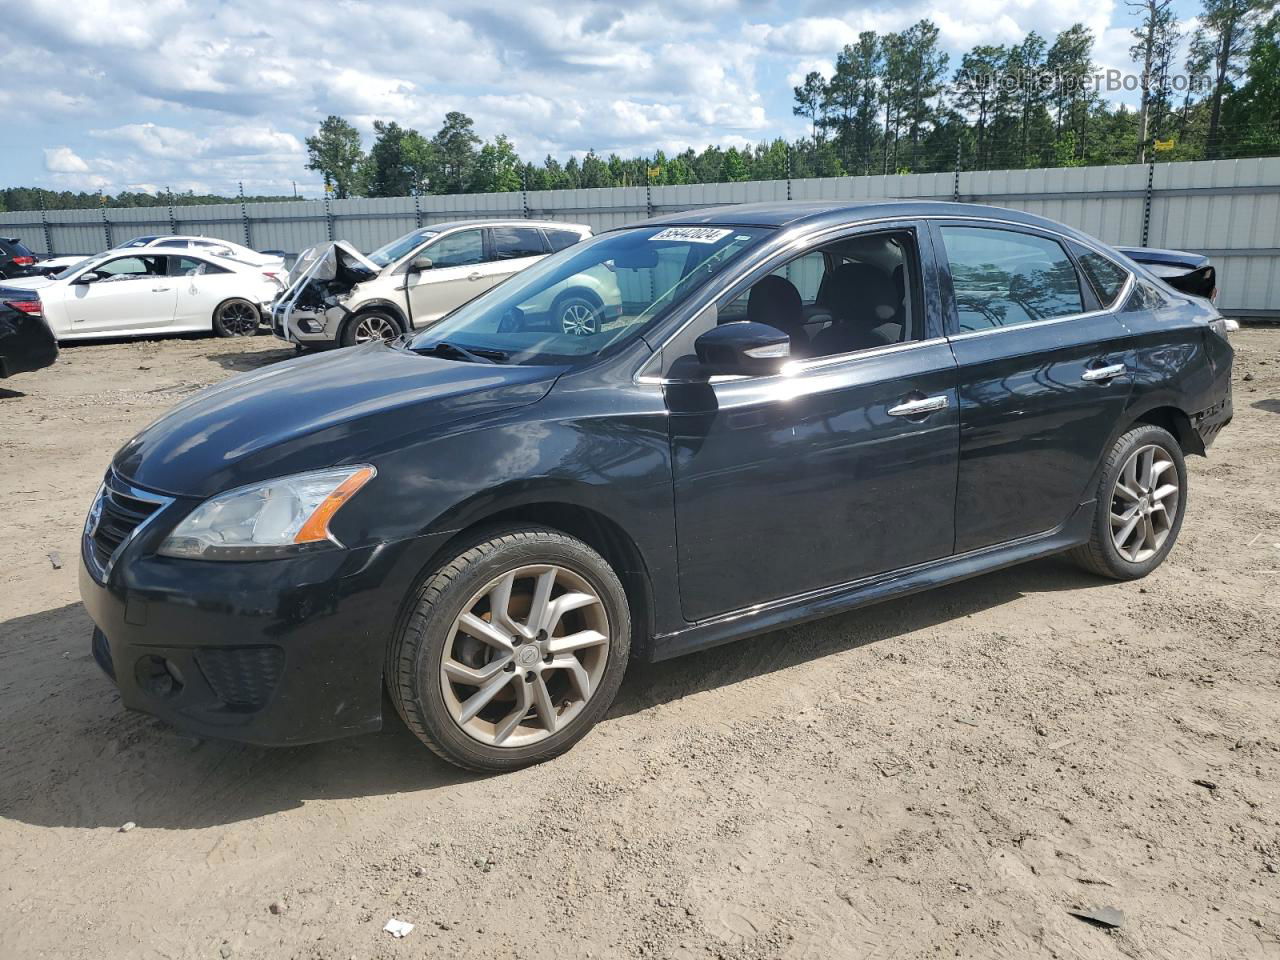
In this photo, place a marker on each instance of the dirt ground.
(947, 775)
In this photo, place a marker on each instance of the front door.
(839, 469)
(458, 273)
(1043, 372)
(131, 292)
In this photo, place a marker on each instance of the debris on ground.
(125, 828)
(1107, 917)
(398, 928)
(55, 558)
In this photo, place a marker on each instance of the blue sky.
(192, 94)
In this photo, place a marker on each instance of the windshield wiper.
(443, 348)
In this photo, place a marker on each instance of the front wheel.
(236, 318)
(370, 326)
(1142, 498)
(512, 651)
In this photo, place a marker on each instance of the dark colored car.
(803, 408)
(1191, 273)
(26, 342)
(15, 259)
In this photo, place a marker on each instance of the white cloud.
(184, 92)
(64, 160)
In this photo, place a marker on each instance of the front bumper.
(303, 326)
(272, 652)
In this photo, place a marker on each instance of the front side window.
(125, 268)
(1105, 275)
(512, 243)
(1003, 278)
(459, 249)
(401, 246)
(623, 281)
(858, 293)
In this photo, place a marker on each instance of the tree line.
(34, 198)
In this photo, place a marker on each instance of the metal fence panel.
(1228, 209)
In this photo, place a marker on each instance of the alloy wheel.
(239, 319)
(375, 327)
(1144, 503)
(525, 656)
(578, 319)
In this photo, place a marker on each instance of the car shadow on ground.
(1271, 406)
(6, 394)
(243, 362)
(73, 757)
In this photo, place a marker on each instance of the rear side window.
(173, 243)
(512, 243)
(1105, 275)
(1003, 278)
(559, 239)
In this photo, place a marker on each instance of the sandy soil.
(943, 776)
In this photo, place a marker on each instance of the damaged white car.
(337, 295)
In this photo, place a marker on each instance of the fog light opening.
(158, 677)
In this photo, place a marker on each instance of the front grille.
(241, 677)
(121, 515)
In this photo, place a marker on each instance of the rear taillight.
(30, 307)
(24, 261)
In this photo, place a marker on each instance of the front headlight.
(278, 518)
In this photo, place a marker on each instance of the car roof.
(500, 222)
(821, 213)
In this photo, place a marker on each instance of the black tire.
(236, 318)
(354, 330)
(414, 657)
(588, 307)
(1100, 555)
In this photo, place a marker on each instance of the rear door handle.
(919, 408)
(161, 289)
(1109, 372)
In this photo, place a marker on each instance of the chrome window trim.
(802, 238)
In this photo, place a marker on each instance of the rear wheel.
(236, 318)
(512, 651)
(1142, 498)
(369, 326)
(577, 314)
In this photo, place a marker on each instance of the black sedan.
(26, 342)
(803, 408)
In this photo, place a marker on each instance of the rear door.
(842, 468)
(134, 292)
(1044, 374)
(458, 273)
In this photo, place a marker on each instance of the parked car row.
(779, 412)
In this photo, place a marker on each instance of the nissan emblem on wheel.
(661, 438)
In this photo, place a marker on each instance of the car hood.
(315, 412)
(27, 283)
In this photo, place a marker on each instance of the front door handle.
(161, 289)
(1109, 372)
(473, 276)
(919, 408)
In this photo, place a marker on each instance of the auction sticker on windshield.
(692, 234)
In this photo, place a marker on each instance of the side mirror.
(418, 264)
(89, 276)
(743, 348)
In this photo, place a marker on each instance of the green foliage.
(335, 153)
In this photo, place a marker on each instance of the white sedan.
(139, 293)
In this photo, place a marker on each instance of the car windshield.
(401, 247)
(593, 296)
(67, 272)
